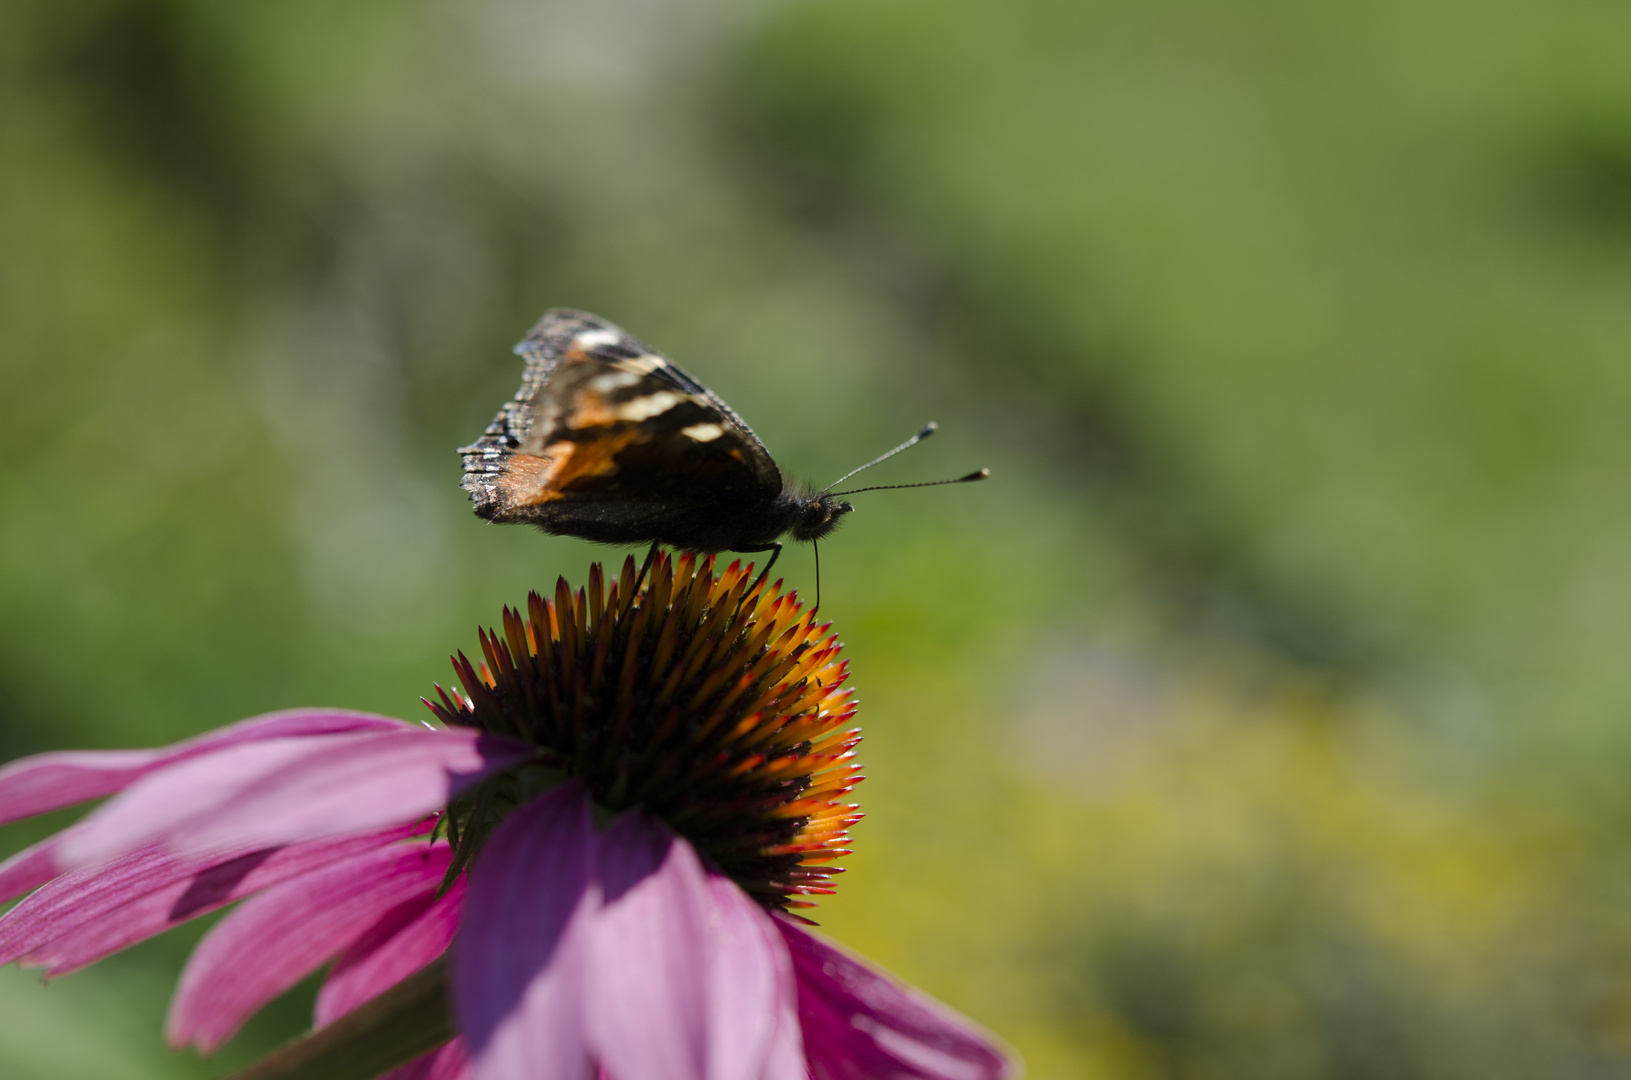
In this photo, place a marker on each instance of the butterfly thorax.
(796, 511)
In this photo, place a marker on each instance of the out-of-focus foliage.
(1263, 717)
(1336, 297)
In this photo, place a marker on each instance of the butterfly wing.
(609, 440)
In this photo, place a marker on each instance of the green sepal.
(410, 1019)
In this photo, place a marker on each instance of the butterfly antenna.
(928, 429)
(969, 479)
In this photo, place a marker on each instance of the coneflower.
(719, 712)
(594, 860)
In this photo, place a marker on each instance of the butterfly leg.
(645, 568)
(775, 550)
(817, 548)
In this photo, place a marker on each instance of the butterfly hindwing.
(608, 439)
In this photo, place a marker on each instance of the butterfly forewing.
(609, 440)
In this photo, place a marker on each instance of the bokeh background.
(1267, 715)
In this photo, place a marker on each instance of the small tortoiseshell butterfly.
(609, 441)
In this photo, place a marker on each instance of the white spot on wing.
(644, 365)
(642, 408)
(702, 432)
(593, 339)
(615, 380)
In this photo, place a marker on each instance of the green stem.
(410, 1019)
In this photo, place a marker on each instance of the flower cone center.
(714, 704)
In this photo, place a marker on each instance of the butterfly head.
(819, 515)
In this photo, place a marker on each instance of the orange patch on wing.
(592, 410)
(533, 481)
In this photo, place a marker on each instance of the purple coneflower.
(595, 861)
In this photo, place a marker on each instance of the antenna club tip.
(979, 474)
(928, 429)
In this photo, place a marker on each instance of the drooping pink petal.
(786, 1054)
(687, 979)
(395, 947)
(283, 934)
(379, 780)
(646, 958)
(518, 963)
(72, 900)
(738, 973)
(79, 897)
(30, 868)
(86, 915)
(448, 1063)
(281, 791)
(153, 808)
(45, 782)
(860, 1023)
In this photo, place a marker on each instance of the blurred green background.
(1264, 717)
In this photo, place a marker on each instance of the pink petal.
(169, 798)
(85, 896)
(280, 791)
(786, 1054)
(86, 915)
(860, 1023)
(379, 780)
(278, 937)
(777, 1002)
(448, 1063)
(51, 781)
(394, 948)
(518, 964)
(30, 868)
(687, 978)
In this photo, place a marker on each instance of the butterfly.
(610, 441)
